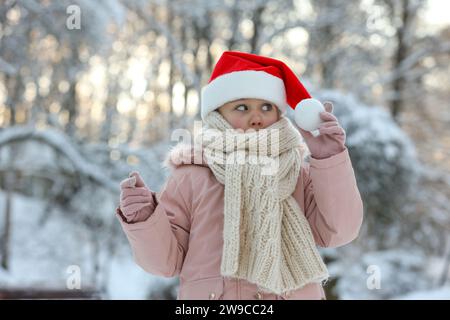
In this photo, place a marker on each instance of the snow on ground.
(387, 274)
(437, 294)
(41, 254)
(129, 281)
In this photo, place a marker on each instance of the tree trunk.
(256, 26)
(400, 54)
(6, 232)
(446, 268)
(70, 102)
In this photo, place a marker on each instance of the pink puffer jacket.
(183, 236)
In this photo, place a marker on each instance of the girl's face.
(250, 113)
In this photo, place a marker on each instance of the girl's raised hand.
(331, 140)
(136, 200)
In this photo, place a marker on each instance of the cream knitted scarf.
(267, 239)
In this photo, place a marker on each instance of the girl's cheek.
(273, 120)
(238, 123)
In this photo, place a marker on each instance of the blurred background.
(90, 90)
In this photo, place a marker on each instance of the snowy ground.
(41, 254)
(437, 294)
(397, 273)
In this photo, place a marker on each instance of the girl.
(229, 230)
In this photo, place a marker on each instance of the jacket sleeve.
(159, 244)
(333, 204)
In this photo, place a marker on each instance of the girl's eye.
(241, 107)
(267, 107)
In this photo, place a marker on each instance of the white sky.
(438, 13)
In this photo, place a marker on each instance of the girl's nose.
(256, 122)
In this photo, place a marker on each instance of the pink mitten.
(136, 200)
(331, 140)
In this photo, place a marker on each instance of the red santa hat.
(239, 75)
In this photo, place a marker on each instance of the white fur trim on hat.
(240, 85)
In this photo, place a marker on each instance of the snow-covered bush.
(72, 189)
(383, 157)
(381, 274)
